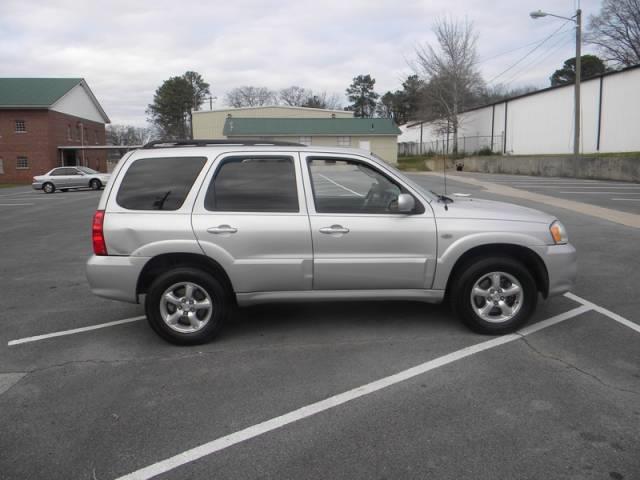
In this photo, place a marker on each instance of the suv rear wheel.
(186, 306)
(494, 295)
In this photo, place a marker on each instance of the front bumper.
(37, 185)
(561, 263)
(115, 277)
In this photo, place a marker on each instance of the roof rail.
(204, 143)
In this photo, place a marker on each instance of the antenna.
(444, 171)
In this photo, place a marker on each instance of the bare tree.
(452, 80)
(250, 96)
(294, 96)
(127, 135)
(616, 31)
(323, 100)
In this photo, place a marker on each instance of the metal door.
(250, 216)
(358, 242)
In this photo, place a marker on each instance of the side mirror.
(406, 203)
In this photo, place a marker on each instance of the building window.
(77, 133)
(21, 126)
(1, 167)
(22, 163)
(305, 140)
(69, 137)
(95, 137)
(344, 141)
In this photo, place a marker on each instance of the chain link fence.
(444, 146)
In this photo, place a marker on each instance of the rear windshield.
(158, 183)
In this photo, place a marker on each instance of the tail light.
(99, 245)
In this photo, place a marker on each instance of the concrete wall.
(210, 124)
(603, 168)
(384, 146)
(542, 123)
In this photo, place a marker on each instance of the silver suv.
(199, 227)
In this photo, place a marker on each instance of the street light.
(577, 19)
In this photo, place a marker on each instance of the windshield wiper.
(442, 198)
(159, 203)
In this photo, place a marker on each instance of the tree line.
(445, 80)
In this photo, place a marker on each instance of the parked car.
(196, 227)
(67, 178)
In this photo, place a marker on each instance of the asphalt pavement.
(560, 402)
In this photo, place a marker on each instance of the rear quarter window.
(158, 183)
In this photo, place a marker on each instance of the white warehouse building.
(541, 122)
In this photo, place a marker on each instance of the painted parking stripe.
(626, 199)
(16, 193)
(602, 193)
(15, 204)
(73, 331)
(340, 399)
(612, 315)
(342, 186)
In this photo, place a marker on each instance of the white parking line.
(73, 331)
(576, 187)
(342, 186)
(340, 399)
(15, 204)
(627, 199)
(604, 311)
(603, 193)
(17, 193)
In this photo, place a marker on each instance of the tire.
(474, 290)
(168, 318)
(48, 187)
(95, 184)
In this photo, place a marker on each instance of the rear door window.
(254, 184)
(158, 183)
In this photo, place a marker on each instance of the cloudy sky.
(125, 49)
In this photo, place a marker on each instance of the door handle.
(222, 229)
(334, 229)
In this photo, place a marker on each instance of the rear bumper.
(561, 263)
(115, 277)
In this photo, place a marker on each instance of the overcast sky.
(125, 49)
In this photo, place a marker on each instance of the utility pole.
(576, 123)
(577, 19)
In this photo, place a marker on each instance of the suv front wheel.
(494, 295)
(186, 306)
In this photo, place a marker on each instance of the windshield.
(427, 193)
(87, 170)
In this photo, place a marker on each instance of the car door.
(77, 178)
(360, 240)
(251, 217)
(62, 177)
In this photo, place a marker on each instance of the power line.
(529, 53)
(540, 58)
(484, 60)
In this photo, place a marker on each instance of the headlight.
(558, 233)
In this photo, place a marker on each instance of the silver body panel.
(285, 256)
(78, 180)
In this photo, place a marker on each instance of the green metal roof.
(34, 92)
(234, 127)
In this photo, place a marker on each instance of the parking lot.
(337, 390)
(623, 196)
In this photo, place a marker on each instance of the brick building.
(40, 119)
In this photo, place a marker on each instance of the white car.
(66, 178)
